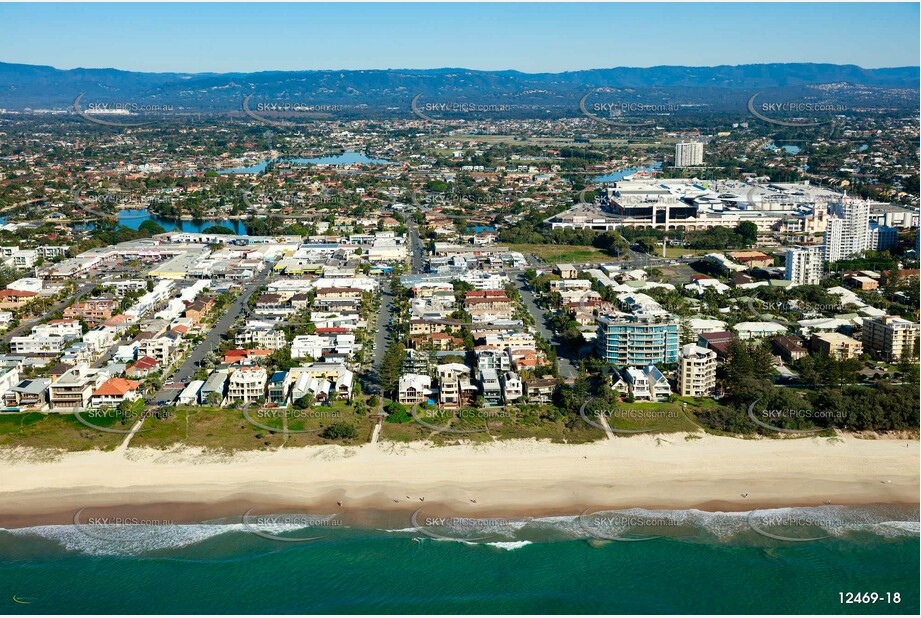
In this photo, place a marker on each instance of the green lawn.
(227, 429)
(55, 431)
(677, 252)
(564, 254)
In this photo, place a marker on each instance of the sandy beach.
(514, 478)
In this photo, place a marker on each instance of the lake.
(135, 217)
(348, 157)
(619, 175)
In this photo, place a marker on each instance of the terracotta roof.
(145, 362)
(116, 386)
(17, 293)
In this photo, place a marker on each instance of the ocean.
(773, 561)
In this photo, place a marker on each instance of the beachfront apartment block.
(247, 384)
(491, 387)
(891, 338)
(74, 389)
(627, 340)
(696, 371)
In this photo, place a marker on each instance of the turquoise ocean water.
(689, 562)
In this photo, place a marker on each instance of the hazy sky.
(528, 37)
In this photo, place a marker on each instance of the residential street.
(213, 338)
(566, 366)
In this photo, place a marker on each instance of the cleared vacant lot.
(564, 254)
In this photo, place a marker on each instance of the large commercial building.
(804, 265)
(632, 341)
(696, 371)
(689, 154)
(891, 338)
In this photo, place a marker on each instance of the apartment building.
(490, 387)
(804, 265)
(92, 311)
(247, 384)
(632, 341)
(492, 358)
(13, 299)
(689, 154)
(74, 389)
(836, 345)
(847, 232)
(260, 335)
(158, 348)
(37, 345)
(891, 338)
(696, 371)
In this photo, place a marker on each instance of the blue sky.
(225, 37)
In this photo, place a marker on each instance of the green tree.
(218, 229)
(151, 228)
(340, 431)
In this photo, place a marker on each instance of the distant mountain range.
(28, 86)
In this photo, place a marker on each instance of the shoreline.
(517, 479)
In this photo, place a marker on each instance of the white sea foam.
(832, 520)
(130, 539)
(510, 545)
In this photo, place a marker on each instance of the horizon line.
(449, 68)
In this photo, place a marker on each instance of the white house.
(414, 388)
